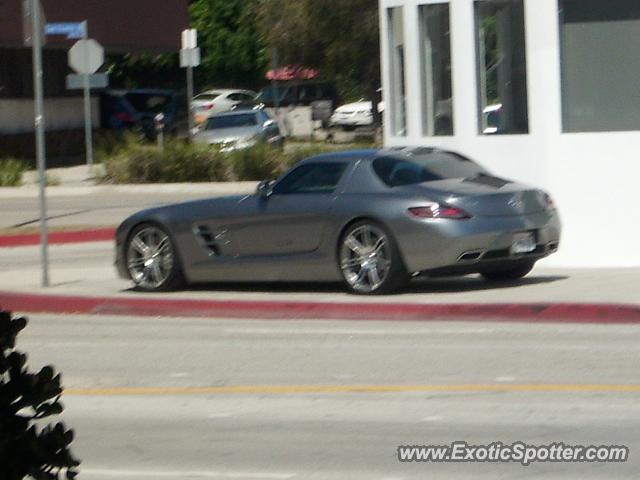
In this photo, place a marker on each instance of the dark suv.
(134, 110)
(321, 96)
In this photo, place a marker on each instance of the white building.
(546, 92)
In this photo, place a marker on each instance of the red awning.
(292, 72)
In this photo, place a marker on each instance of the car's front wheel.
(513, 272)
(370, 261)
(152, 261)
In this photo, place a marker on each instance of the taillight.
(208, 106)
(437, 210)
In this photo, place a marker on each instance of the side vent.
(207, 239)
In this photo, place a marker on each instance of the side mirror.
(264, 189)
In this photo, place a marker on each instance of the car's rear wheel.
(513, 272)
(152, 260)
(370, 261)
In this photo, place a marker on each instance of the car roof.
(143, 91)
(222, 91)
(360, 104)
(343, 155)
(370, 154)
(234, 112)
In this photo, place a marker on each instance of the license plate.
(524, 242)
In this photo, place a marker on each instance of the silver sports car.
(370, 218)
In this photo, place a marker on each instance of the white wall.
(593, 177)
(16, 115)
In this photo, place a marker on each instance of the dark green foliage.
(232, 51)
(339, 37)
(27, 450)
(11, 171)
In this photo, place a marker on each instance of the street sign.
(190, 57)
(71, 30)
(97, 80)
(189, 38)
(86, 56)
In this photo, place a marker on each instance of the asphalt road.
(106, 205)
(155, 398)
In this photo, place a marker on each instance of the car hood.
(225, 135)
(483, 196)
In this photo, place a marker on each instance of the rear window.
(428, 167)
(232, 121)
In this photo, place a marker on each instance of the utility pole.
(36, 29)
(88, 131)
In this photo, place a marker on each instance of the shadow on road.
(464, 284)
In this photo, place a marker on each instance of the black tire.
(514, 272)
(172, 276)
(394, 272)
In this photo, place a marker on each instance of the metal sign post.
(88, 131)
(40, 146)
(86, 56)
(189, 58)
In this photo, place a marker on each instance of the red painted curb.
(289, 310)
(77, 236)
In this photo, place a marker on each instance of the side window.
(235, 97)
(290, 96)
(394, 172)
(311, 178)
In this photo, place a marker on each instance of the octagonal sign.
(86, 56)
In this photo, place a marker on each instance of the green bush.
(264, 162)
(178, 161)
(129, 161)
(11, 171)
(256, 163)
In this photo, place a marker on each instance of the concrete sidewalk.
(86, 271)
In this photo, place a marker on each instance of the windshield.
(145, 102)
(428, 167)
(232, 121)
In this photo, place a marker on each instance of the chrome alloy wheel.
(150, 258)
(365, 258)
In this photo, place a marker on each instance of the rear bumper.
(467, 246)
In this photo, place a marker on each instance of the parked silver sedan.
(370, 218)
(239, 129)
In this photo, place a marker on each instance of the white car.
(356, 114)
(218, 101)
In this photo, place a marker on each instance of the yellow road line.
(298, 389)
